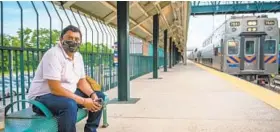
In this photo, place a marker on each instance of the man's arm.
(58, 90)
(84, 86)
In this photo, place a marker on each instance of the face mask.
(70, 46)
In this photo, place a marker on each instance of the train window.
(269, 46)
(233, 47)
(250, 47)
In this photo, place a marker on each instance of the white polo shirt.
(57, 65)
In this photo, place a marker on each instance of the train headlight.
(269, 22)
(233, 29)
(234, 24)
(252, 22)
(252, 29)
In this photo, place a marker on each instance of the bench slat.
(36, 125)
(27, 120)
(29, 114)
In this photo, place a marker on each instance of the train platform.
(194, 98)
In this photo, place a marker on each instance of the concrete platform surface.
(189, 99)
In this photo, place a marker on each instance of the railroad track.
(274, 85)
(270, 86)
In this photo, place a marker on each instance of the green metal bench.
(28, 121)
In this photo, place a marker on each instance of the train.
(245, 46)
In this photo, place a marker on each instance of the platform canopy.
(173, 16)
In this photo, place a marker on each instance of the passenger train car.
(246, 47)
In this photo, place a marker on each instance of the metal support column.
(177, 55)
(165, 50)
(170, 52)
(123, 50)
(155, 45)
(173, 54)
(123, 55)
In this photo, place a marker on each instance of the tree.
(92, 53)
(95, 54)
(44, 38)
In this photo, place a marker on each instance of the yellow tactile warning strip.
(263, 94)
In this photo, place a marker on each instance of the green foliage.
(88, 47)
(93, 54)
(96, 54)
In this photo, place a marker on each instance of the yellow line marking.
(259, 92)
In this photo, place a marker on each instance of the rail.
(36, 28)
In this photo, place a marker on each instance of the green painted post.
(104, 112)
(123, 50)
(176, 54)
(155, 45)
(170, 52)
(165, 50)
(173, 54)
(2, 53)
(21, 56)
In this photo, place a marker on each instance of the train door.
(251, 53)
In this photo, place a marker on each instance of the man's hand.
(94, 97)
(91, 105)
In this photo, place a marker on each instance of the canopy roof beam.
(131, 20)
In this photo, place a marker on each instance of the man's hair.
(70, 28)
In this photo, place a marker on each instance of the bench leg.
(105, 121)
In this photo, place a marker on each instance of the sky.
(200, 27)
(92, 31)
(12, 20)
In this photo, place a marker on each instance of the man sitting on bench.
(57, 77)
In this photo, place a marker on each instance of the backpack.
(93, 84)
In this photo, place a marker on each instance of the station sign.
(115, 60)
